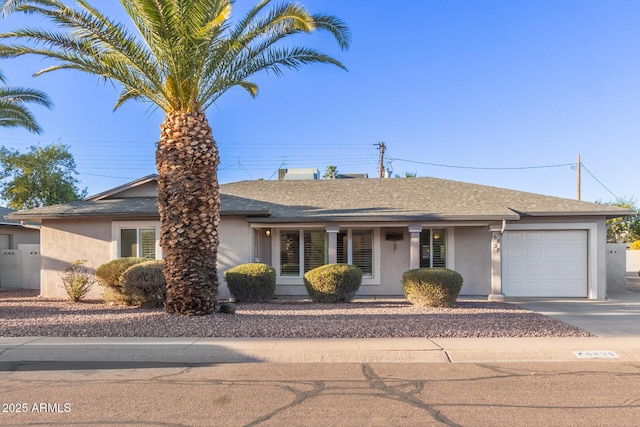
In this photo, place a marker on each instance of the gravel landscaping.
(22, 314)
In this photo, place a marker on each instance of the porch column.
(332, 250)
(414, 250)
(496, 267)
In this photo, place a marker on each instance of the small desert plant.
(252, 282)
(77, 281)
(110, 277)
(333, 282)
(144, 284)
(432, 287)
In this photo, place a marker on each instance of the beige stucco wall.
(394, 256)
(472, 252)
(65, 241)
(235, 248)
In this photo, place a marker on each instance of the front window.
(354, 247)
(314, 252)
(290, 253)
(359, 252)
(138, 242)
(135, 239)
(315, 249)
(433, 248)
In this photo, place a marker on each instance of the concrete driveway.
(617, 316)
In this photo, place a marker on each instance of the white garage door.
(544, 263)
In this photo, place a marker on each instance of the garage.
(545, 263)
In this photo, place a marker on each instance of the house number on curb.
(596, 354)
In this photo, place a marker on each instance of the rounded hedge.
(333, 282)
(145, 284)
(110, 277)
(253, 282)
(432, 287)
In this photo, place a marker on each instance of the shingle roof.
(4, 212)
(406, 198)
(426, 199)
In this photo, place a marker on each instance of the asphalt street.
(338, 394)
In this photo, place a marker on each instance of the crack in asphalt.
(393, 393)
(300, 397)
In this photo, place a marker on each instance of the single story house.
(19, 253)
(503, 242)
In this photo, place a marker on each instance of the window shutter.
(439, 252)
(289, 253)
(148, 243)
(425, 249)
(315, 249)
(362, 250)
(432, 248)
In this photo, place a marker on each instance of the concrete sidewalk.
(94, 353)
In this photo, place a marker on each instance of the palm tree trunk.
(189, 206)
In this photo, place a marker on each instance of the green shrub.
(110, 277)
(77, 281)
(144, 284)
(333, 282)
(432, 287)
(252, 282)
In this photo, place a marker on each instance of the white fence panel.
(30, 266)
(11, 268)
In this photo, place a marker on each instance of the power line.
(483, 167)
(598, 181)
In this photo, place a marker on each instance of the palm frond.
(185, 54)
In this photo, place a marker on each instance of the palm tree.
(184, 56)
(331, 172)
(13, 111)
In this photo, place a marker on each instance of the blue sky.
(491, 87)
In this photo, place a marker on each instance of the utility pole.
(381, 147)
(579, 184)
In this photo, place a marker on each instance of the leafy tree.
(331, 172)
(626, 229)
(183, 56)
(42, 176)
(13, 111)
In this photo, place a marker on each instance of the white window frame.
(117, 226)
(446, 245)
(374, 279)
